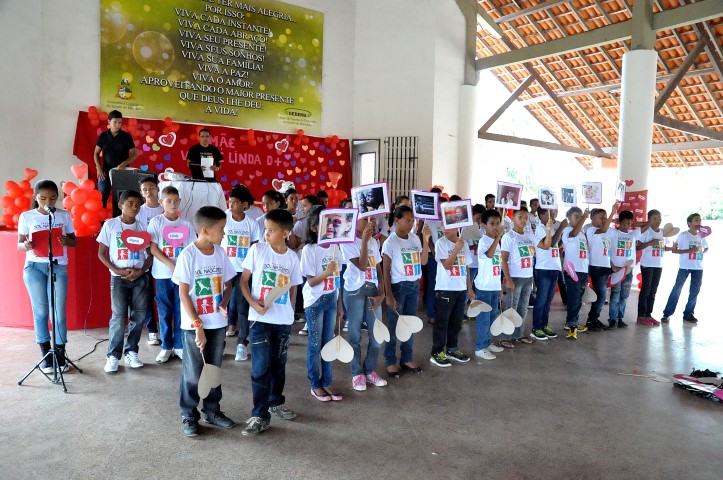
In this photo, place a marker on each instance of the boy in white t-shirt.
(150, 208)
(123, 248)
(652, 244)
(691, 247)
(598, 241)
(170, 233)
(203, 274)
(623, 240)
(273, 265)
(488, 283)
(574, 242)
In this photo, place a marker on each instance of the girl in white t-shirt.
(320, 267)
(518, 252)
(33, 239)
(404, 254)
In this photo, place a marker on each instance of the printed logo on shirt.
(237, 246)
(123, 253)
(269, 280)
(624, 249)
(526, 254)
(606, 247)
(496, 271)
(412, 264)
(458, 268)
(695, 255)
(208, 292)
(583, 249)
(658, 249)
(333, 281)
(370, 274)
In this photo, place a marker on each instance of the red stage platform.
(88, 303)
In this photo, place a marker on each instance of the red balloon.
(167, 120)
(68, 203)
(20, 201)
(79, 171)
(16, 219)
(79, 195)
(10, 185)
(25, 185)
(95, 195)
(68, 187)
(334, 139)
(89, 218)
(87, 184)
(93, 205)
(6, 201)
(7, 219)
(78, 211)
(11, 209)
(28, 193)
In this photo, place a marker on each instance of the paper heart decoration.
(337, 349)
(30, 173)
(210, 378)
(513, 316)
(407, 325)
(79, 171)
(282, 145)
(476, 307)
(629, 182)
(570, 269)
(617, 277)
(381, 332)
(589, 295)
(502, 325)
(135, 241)
(155, 147)
(149, 139)
(704, 231)
(670, 231)
(277, 184)
(175, 235)
(167, 140)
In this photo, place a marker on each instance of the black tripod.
(54, 351)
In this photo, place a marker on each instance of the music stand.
(53, 352)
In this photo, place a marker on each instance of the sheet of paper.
(206, 164)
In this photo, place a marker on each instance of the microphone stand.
(54, 351)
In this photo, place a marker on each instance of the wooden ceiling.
(585, 84)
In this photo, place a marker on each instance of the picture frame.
(547, 197)
(457, 214)
(568, 196)
(592, 193)
(509, 195)
(337, 225)
(620, 192)
(425, 204)
(371, 200)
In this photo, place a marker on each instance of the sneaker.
(582, 328)
(622, 324)
(572, 333)
(111, 364)
(164, 356)
(153, 339)
(376, 380)
(494, 348)
(282, 411)
(190, 427)
(63, 368)
(254, 426)
(486, 354)
(538, 335)
(612, 325)
(219, 419)
(364, 326)
(242, 353)
(132, 360)
(549, 332)
(47, 365)
(655, 322)
(440, 359)
(594, 326)
(665, 319)
(690, 318)
(566, 327)
(359, 383)
(644, 321)
(346, 326)
(178, 352)
(304, 332)
(457, 355)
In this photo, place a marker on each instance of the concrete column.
(467, 138)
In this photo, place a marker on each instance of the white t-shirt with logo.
(160, 270)
(205, 275)
(489, 276)
(120, 255)
(599, 247)
(33, 221)
(622, 246)
(314, 261)
(435, 226)
(406, 257)
(691, 261)
(546, 259)
(652, 255)
(146, 213)
(576, 250)
(271, 269)
(238, 237)
(521, 248)
(454, 279)
(354, 278)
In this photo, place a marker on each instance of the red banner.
(260, 160)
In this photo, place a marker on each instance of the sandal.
(409, 368)
(232, 332)
(321, 398)
(392, 371)
(525, 340)
(507, 344)
(334, 396)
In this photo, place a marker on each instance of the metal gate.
(400, 165)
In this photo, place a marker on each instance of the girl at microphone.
(33, 239)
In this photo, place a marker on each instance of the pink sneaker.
(376, 380)
(655, 322)
(358, 382)
(645, 321)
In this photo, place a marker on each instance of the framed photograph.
(457, 214)
(337, 225)
(509, 195)
(370, 200)
(568, 196)
(425, 204)
(620, 192)
(548, 198)
(592, 192)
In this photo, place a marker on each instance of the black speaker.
(129, 179)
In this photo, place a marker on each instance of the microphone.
(50, 210)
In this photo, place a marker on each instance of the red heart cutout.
(135, 241)
(31, 173)
(277, 184)
(282, 145)
(629, 182)
(704, 231)
(79, 171)
(167, 140)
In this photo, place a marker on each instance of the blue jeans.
(321, 318)
(696, 280)
(519, 299)
(169, 313)
(125, 294)
(599, 277)
(151, 318)
(574, 296)
(192, 367)
(619, 297)
(546, 283)
(484, 319)
(430, 286)
(238, 311)
(269, 345)
(357, 305)
(37, 280)
(104, 188)
(407, 297)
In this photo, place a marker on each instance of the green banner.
(243, 64)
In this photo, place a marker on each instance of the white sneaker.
(153, 339)
(304, 332)
(111, 364)
(242, 353)
(485, 354)
(132, 360)
(178, 352)
(495, 349)
(164, 356)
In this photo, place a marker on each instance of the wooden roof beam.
(686, 127)
(543, 5)
(679, 74)
(518, 91)
(675, 146)
(541, 144)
